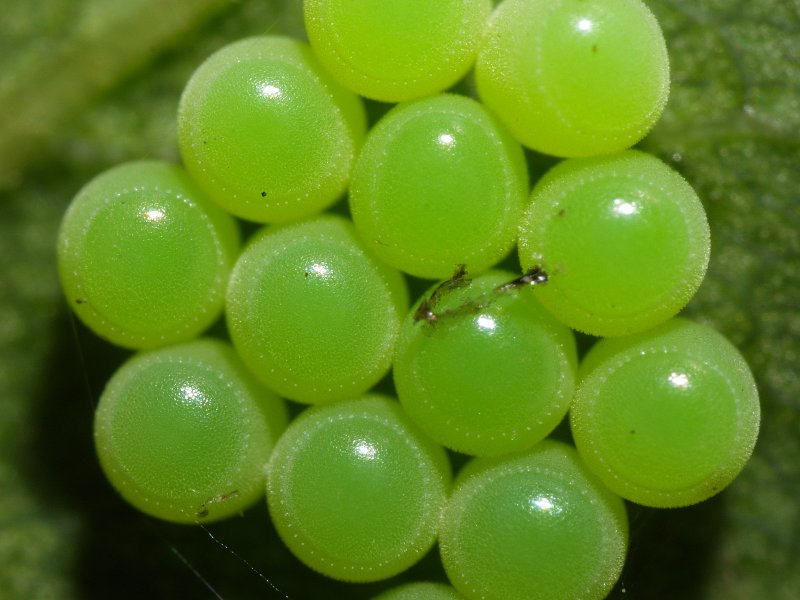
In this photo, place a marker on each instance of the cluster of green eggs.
(611, 242)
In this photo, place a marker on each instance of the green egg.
(312, 312)
(623, 239)
(266, 132)
(355, 490)
(668, 417)
(144, 256)
(492, 372)
(439, 183)
(184, 433)
(533, 526)
(420, 590)
(574, 77)
(399, 50)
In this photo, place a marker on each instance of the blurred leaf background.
(85, 84)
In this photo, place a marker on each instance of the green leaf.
(90, 83)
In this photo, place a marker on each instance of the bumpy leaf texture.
(87, 84)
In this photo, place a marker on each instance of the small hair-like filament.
(427, 309)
